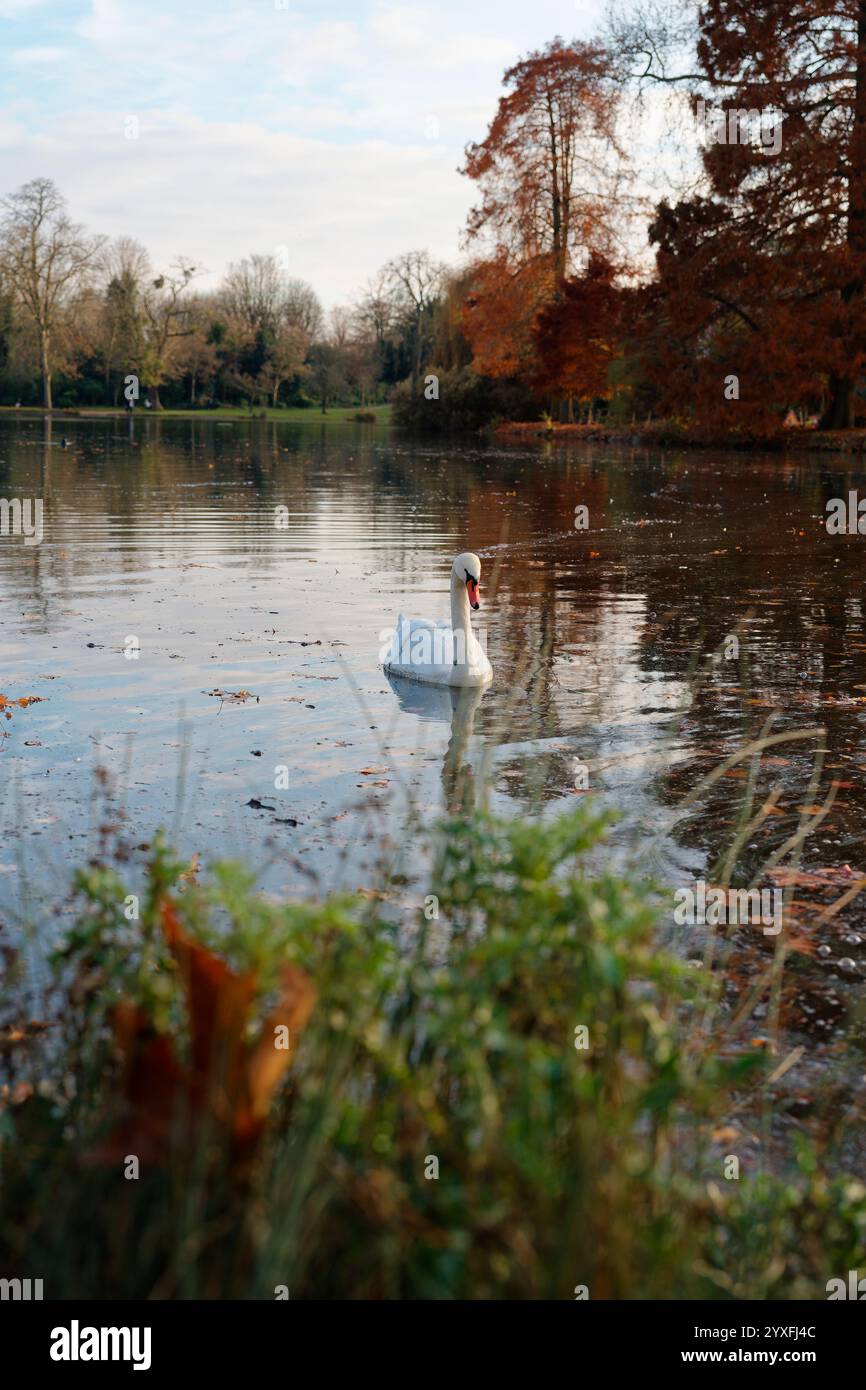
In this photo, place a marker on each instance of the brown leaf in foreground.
(229, 1082)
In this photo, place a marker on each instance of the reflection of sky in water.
(591, 635)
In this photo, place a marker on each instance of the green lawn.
(342, 414)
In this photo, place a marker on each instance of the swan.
(443, 653)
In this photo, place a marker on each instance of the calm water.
(167, 540)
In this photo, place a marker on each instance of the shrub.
(439, 1129)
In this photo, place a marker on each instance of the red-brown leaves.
(228, 1082)
(7, 703)
(544, 168)
(577, 334)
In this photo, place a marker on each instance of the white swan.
(443, 653)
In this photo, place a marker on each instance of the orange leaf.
(267, 1062)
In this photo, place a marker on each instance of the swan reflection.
(454, 705)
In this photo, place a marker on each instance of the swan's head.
(467, 569)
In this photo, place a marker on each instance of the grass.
(501, 1094)
(287, 415)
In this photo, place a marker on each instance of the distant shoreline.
(288, 414)
(665, 434)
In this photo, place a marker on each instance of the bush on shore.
(504, 1100)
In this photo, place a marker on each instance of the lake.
(268, 562)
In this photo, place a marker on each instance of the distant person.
(147, 402)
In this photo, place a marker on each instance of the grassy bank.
(671, 434)
(288, 415)
(503, 1094)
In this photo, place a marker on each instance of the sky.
(329, 132)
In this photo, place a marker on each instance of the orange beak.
(472, 590)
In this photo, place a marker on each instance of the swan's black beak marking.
(472, 590)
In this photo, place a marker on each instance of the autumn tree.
(501, 311)
(577, 335)
(763, 270)
(547, 169)
(550, 172)
(195, 355)
(46, 258)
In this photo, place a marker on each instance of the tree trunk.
(416, 359)
(839, 414)
(46, 370)
(157, 404)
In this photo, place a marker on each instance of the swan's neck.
(460, 622)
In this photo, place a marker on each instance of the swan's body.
(443, 653)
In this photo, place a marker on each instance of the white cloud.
(216, 192)
(13, 9)
(338, 136)
(431, 38)
(316, 52)
(26, 57)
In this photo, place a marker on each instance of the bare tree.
(301, 308)
(415, 279)
(253, 291)
(377, 309)
(46, 258)
(125, 266)
(166, 315)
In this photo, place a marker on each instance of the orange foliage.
(7, 704)
(577, 335)
(500, 313)
(228, 1083)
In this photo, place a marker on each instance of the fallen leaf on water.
(812, 878)
(8, 703)
(800, 945)
(14, 1033)
(238, 697)
(190, 873)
